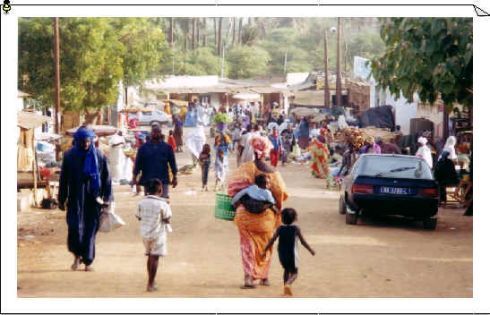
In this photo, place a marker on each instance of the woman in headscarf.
(303, 133)
(370, 147)
(424, 152)
(445, 174)
(450, 148)
(256, 229)
(85, 185)
(178, 132)
(319, 155)
(277, 147)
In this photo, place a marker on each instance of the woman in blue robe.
(303, 134)
(85, 186)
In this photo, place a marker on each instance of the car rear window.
(394, 167)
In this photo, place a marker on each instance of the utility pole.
(286, 62)
(326, 87)
(57, 84)
(338, 87)
(223, 63)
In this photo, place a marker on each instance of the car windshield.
(394, 167)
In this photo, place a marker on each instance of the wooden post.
(326, 87)
(34, 169)
(338, 88)
(57, 84)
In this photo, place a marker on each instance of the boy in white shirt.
(154, 214)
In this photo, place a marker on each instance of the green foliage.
(144, 45)
(95, 53)
(222, 118)
(247, 62)
(35, 58)
(367, 44)
(430, 57)
(202, 61)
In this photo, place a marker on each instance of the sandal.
(265, 282)
(247, 286)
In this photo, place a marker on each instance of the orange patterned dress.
(319, 155)
(256, 229)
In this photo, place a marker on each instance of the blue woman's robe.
(83, 211)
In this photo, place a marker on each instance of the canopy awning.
(100, 130)
(30, 120)
(247, 96)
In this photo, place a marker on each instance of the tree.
(204, 33)
(144, 45)
(430, 57)
(220, 41)
(247, 62)
(201, 61)
(91, 66)
(96, 54)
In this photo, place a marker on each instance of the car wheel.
(342, 206)
(351, 218)
(430, 223)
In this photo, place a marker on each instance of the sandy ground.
(376, 258)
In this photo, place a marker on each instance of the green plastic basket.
(223, 209)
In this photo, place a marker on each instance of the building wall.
(433, 113)
(404, 111)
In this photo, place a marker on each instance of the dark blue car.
(385, 184)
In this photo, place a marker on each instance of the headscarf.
(450, 142)
(449, 147)
(422, 140)
(261, 145)
(91, 163)
(323, 132)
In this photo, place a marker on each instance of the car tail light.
(429, 192)
(362, 189)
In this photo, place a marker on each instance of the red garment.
(274, 155)
(171, 142)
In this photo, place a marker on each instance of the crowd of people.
(262, 141)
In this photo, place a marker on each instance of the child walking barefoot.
(205, 162)
(220, 170)
(154, 215)
(288, 234)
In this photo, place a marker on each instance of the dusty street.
(376, 258)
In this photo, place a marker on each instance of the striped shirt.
(152, 210)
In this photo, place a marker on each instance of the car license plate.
(395, 190)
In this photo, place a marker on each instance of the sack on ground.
(109, 220)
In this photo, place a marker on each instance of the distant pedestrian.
(288, 234)
(423, 151)
(116, 156)
(205, 162)
(154, 160)
(171, 140)
(445, 175)
(154, 214)
(220, 170)
(178, 132)
(277, 147)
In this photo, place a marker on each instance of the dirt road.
(376, 258)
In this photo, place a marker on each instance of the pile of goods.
(357, 136)
(130, 153)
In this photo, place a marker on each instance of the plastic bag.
(109, 220)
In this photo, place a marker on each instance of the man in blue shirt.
(153, 160)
